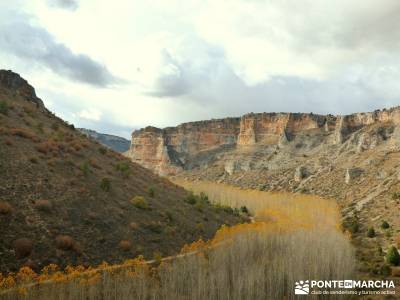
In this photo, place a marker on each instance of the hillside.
(66, 199)
(113, 142)
(354, 159)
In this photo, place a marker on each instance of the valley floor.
(293, 237)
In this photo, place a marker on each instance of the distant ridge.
(114, 142)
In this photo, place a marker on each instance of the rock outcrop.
(15, 83)
(170, 150)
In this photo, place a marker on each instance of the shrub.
(191, 198)
(204, 198)
(103, 150)
(125, 245)
(200, 227)
(85, 168)
(134, 225)
(105, 184)
(151, 192)
(39, 127)
(4, 107)
(23, 247)
(123, 167)
(244, 210)
(55, 126)
(385, 270)
(385, 225)
(94, 163)
(47, 147)
(43, 205)
(5, 208)
(396, 195)
(393, 256)
(354, 227)
(34, 160)
(155, 227)
(199, 206)
(157, 256)
(65, 242)
(140, 202)
(169, 216)
(23, 133)
(371, 232)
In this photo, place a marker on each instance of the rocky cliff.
(15, 83)
(354, 159)
(194, 145)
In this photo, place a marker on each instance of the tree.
(385, 225)
(393, 256)
(371, 232)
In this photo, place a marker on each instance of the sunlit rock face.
(196, 145)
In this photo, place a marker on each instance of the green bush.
(385, 225)
(244, 210)
(123, 168)
(200, 227)
(105, 184)
(140, 202)
(191, 198)
(354, 227)
(396, 195)
(4, 108)
(151, 192)
(103, 150)
(204, 198)
(393, 256)
(371, 232)
(154, 227)
(85, 168)
(385, 270)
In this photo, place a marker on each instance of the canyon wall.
(168, 151)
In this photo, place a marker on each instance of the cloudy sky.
(117, 65)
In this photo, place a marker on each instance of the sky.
(115, 66)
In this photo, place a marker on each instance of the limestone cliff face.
(166, 151)
(170, 150)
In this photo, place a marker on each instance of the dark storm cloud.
(64, 4)
(37, 45)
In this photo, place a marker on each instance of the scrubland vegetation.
(293, 237)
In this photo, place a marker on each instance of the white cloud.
(90, 114)
(201, 59)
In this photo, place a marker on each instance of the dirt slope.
(66, 199)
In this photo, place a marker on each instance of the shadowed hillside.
(66, 199)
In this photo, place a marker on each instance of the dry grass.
(295, 237)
